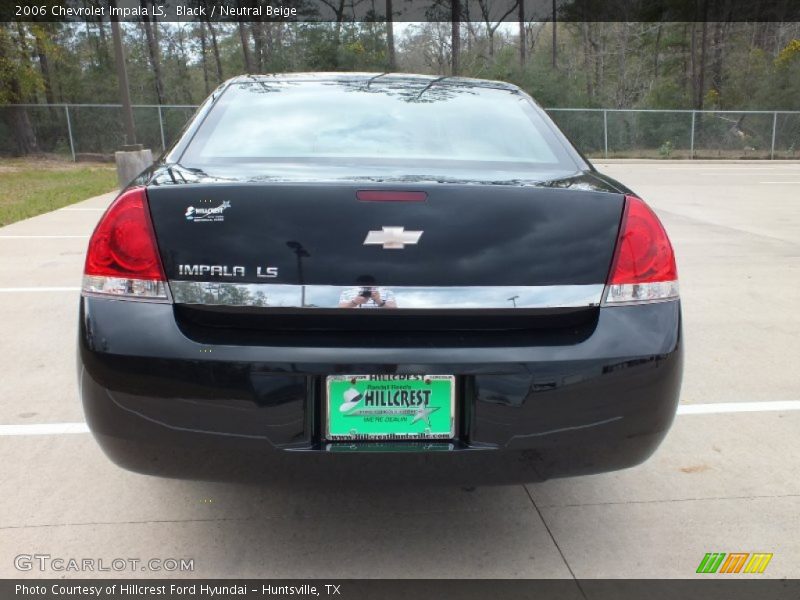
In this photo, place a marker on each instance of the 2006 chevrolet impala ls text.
(335, 277)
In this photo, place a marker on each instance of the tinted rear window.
(408, 122)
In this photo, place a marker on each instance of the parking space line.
(737, 407)
(683, 409)
(43, 237)
(44, 429)
(733, 167)
(79, 208)
(26, 290)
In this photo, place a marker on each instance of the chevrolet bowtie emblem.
(392, 238)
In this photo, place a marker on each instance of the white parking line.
(733, 167)
(76, 209)
(44, 429)
(39, 289)
(683, 409)
(736, 407)
(43, 237)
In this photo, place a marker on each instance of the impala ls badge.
(392, 238)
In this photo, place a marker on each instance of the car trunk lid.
(433, 236)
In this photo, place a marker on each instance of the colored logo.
(734, 562)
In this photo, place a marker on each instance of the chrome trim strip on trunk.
(276, 295)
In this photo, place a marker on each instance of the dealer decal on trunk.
(200, 214)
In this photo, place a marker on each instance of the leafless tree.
(492, 25)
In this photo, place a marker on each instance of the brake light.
(643, 269)
(122, 259)
(390, 196)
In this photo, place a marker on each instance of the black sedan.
(336, 277)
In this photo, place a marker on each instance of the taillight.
(122, 259)
(643, 269)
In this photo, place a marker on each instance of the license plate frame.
(392, 416)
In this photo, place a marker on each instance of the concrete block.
(130, 163)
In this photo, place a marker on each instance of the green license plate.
(390, 407)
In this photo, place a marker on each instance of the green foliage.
(610, 65)
(551, 88)
(786, 80)
(666, 93)
(749, 75)
(317, 46)
(19, 79)
(789, 54)
(745, 66)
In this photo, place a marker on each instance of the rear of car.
(380, 278)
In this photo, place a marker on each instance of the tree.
(338, 8)
(122, 81)
(248, 61)
(523, 42)
(455, 37)
(485, 6)
(215, 47)
(244, 43)
(390, 51)
(698, 65)
(627, 65)
(44, 47)
(204, 57)
(555, 41)
(259, 42)
(183, 79)
(152, 48)
(19, 82)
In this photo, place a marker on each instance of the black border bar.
(711, 587)
(407, 10)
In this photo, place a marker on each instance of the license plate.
(390, 407)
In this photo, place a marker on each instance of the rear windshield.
(402, 122)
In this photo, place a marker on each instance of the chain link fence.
(632, 133)
(96, 131)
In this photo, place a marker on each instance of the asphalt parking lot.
(727, 479)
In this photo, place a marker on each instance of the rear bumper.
(162, 403)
